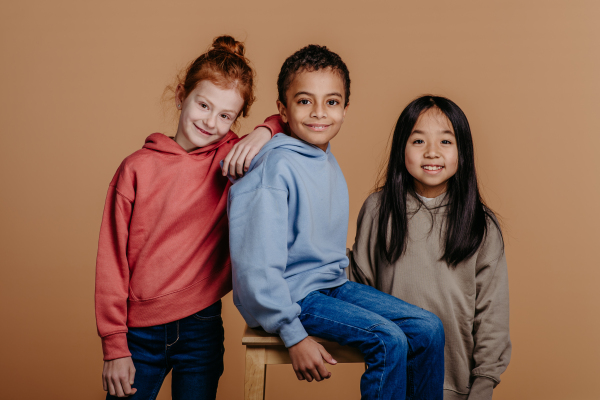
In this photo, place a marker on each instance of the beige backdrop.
(80, 89)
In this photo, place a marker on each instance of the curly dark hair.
(311, 58)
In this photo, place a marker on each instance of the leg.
(256, 373)
(196, 352)
(424, 333)
(380, 340)
(147, 347)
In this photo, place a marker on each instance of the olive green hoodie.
(471, 299)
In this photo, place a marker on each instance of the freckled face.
(431, 153)
(207, 114)
(315, 106)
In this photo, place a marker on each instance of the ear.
(345, 109)
(282, 111)
(179, 95)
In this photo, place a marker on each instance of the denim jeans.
(403, 344)
(192, 347)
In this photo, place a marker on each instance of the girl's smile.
(207, 113)
(431, 153)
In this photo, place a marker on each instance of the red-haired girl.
(163, 255)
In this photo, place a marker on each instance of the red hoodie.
(163, 252)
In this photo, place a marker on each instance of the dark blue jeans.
(192, 347)
(403, 344)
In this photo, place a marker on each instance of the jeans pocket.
(211, 312)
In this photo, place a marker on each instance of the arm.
(363, 262)
(112, 283)
(258, 234)
(491, 324)
(238, 160)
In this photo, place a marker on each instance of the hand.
(237, 161)
(307, 359)
(117, 377)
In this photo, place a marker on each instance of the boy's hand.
(117, 377)
(237, 161)
(307, 359)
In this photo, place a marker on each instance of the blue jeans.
(192, 347)
(403, 344)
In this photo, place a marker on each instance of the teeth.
(432, 168)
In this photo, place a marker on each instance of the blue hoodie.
(288, 222)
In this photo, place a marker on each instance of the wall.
(81, 86)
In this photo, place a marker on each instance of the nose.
(431, 151)
(211, 121)
(318, 111)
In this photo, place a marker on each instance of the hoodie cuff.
(274, 124)
(481, 389)
(115, 346)
(292, 333)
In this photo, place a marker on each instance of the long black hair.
(466, 222)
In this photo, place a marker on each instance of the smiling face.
(207, 114)
(431, 153)
(315, 106)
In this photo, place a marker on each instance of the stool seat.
(263, 348)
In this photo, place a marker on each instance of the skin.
(315, 112)
(207, 114)
(431, 154)
(315, 106)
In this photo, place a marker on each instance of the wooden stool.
(264, 349)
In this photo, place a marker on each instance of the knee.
(432, 331)
(393, 338)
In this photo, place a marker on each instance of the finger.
(307, 376)
(233, 160)
(326, 356)
(249, 157)
(111, 387)
(299, 376)
(323, 372)
(241, 161)
(315, 374)
(127, 391)
(227, 160)
(118, 388)
(132, 378)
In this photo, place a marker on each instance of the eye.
(333, 102)
(418, 141)
(225, 116)
(446, 142)
(304, 101)
(203, 106)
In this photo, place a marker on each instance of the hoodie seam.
(233, 196)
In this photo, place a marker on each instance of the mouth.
(202, 130)
(432, 169)
(317, 127)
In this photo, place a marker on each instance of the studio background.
(81, 86)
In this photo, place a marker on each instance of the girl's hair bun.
(227, 43)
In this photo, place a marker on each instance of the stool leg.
(254, 382)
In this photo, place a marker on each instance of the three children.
(425, 236)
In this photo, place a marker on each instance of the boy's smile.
(315, 106)
(431, 153)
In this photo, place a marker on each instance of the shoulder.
(372, 204)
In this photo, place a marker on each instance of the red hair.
(225, 65)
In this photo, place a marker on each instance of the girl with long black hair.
(426, 237)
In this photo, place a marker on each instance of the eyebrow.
(199, 96)
(445, 131)
(312, 94)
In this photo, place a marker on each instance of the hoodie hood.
(281, 140)
(165, 144)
